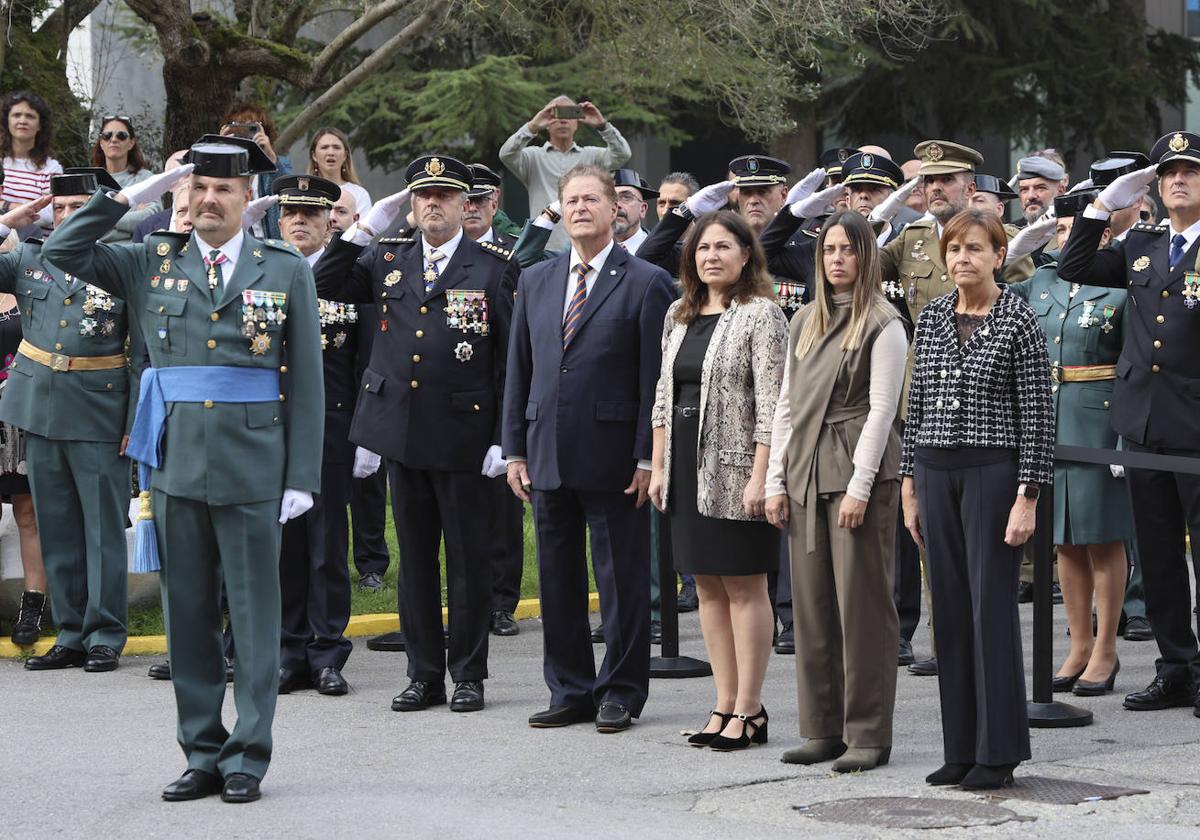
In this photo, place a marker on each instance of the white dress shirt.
(315, 255)
(488, 236)
(231, 249)
(634, 242)
(596, 263)
(447, 250)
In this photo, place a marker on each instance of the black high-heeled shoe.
(988, 777)
(1066, 683)
(948, 774)
(703, 739)
(752, 733)
(1095, 689)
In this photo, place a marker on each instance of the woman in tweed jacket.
(722, 365)
(978, 442)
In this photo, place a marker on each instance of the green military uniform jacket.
(64, 315)
(217, 452)
(1083, 326)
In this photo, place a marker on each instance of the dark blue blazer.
(582, 416)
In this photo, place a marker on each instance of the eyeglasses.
(120, 135)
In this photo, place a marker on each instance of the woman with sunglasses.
(117, 151)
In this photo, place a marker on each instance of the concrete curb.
(360, 625)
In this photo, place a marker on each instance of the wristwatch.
(683, 211)
(1029, 491)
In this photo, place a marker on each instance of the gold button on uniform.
(58, 346)
(1106, 403)
(66, 301)
(413, 384)
(420, 333)
(283, 368)
(1161, 319)
(1062, 316)
(109, 386)
(476, 406)
(416, 358)
(62, 323)
(385, 307)
(215, 316)
(1155, 368)
(162, 309)
(212, 343)
(424, 310)
(1157, 344)
(1058, 339)
(208, 403)
(1165, 293)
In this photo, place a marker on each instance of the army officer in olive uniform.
(1092, 517)
(216, 307)
(430, 405)
(314, 578)
(68, 388)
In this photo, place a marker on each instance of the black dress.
(13, 478)
(704, 545)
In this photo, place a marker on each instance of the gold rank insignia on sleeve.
(1141, 263)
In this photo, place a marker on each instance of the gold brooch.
(1141, 263)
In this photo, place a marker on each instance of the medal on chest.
(1086, 318)
(1109, 311)
(467, 310)
(1191, 289)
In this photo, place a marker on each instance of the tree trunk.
(197, 98)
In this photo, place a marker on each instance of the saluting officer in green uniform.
(216, 307)
(68, 388)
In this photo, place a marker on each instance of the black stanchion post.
(1044, 711)
(670, 665)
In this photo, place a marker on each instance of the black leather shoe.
(193, 784)
(1065, 683)
(598, 634)
(613, 717)
(557, 716)
(1137, 629)
(159, 671)
(924, 668)
(1025, 592)
(28, 628)
(503, 624)
(419, 695)
(948, 774)
(688, 600)
(101, 658)
(370, 582)
(468, 696)
(656, 632)
(56, 658)
(390, 642)
(786, 643)
(1160, 694)
(906, 655)
(987, 777)
(330, 682)
(240, 787)
(290, 681)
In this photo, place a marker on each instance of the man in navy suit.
(583, 361)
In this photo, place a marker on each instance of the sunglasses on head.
(120, 135)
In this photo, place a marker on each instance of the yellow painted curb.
(360, 625)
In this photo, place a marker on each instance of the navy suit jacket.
(582, 416)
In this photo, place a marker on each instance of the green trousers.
(199, 545)
(81, 500)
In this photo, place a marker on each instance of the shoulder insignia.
(1142, 227)
(398, 240)
(813, 233)
(173, 234)
(280, 245)
(496, 250)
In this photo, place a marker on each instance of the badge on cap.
(867, 161)
(163, 249)
(434, 167)
(1178, 143)
(1141, 263)
(934, 152)
(302, 183)
(463, 351)
(843, 154)
(752, 165)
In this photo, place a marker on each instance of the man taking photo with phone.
(540, 167)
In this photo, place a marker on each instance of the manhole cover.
(1059, 791)
(909, 812)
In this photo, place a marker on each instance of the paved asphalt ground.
(85, 755)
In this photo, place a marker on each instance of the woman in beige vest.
(833, 483)
(722, 364)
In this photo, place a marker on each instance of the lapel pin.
(612, 271)
(163, 249)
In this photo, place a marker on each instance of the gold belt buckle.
(1056, 372)
(59, 362)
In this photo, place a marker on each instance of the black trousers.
(620, 537)
(907, 592)
(1165, 505)
(507, 545)
(368, 509)
(428, 505)
(314, 579)
(964, 506)
(781, 597)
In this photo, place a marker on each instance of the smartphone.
(568, 112)
(249, 130)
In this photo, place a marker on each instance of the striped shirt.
(23, 182)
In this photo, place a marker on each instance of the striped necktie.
(213, 263)
(575, 309)
(432, 273)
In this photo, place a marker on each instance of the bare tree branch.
(353, 32)
(301, 12)
(66, 17)
(377, 60)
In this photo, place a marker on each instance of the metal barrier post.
(670, 665)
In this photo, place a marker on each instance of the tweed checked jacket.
(739, 386)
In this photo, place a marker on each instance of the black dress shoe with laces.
(390, 642)
(56, 658)
(193, 784)
(370, 582)
(786, 643)
(159, 671)
(613, 717)
(1137, 629)
(240, 787)
(924, 668)
(687, 601)
(330, 682)
(468, 696)
(101, 658)
(28, 628)
(557, 716)
(290, 680)
(503, 624)
(1160, 694)
(419, 695)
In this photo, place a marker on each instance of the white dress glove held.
(1128, 189)
(887, 209)
(257, 209)
(295, 503)
(366, 463)
(493, 464)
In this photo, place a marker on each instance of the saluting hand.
(1127, 190)
(806, 186)
(707, 199)
(24, 215)
(1031, 237)
(887, 209)
(384, 212)
(154, 186)
(257, 209)
(818, 203)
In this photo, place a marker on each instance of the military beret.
(1039, 167)
(871, 169)
(941, 157)
(1179, 145)
(438, 171)
(759, 171)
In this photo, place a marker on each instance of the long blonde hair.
(868, 301)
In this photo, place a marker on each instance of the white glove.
(1012, 182)
(1117, 470)
(154, 186)
(256, 209)
(817, 203)
(887, 209)
(712, 197)
(1127, 190)
(1033, 236)
(1085, 184)
(366, 463)
(384, 212)
(493, 464)
(295, 503)
(805, 187)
